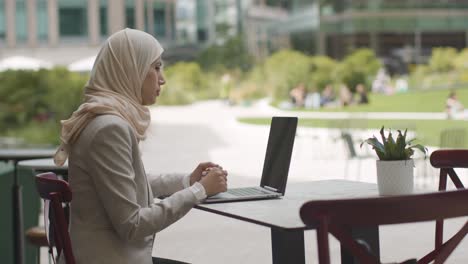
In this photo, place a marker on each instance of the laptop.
(275, 167)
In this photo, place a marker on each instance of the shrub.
(322, 71)
(442, 60)
(249, 85)
(445, 69)
(461, 61)
(186, 83)
(65, 92)
(461, 66)
(284, 70)
(231, 55)
(34, 102)
(358, 67)
(22, 97)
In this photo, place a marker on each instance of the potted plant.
(395, 165)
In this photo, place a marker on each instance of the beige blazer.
(113, 216)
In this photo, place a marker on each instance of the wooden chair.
(352, 154)
(56, 192)
(447, 160)
(334, 216)
(37, 237)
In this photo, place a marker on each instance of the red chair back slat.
(389, 210)
(57, 192)
(47, 183)
(449, 158)
(333, 215)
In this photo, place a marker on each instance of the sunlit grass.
(418, 101)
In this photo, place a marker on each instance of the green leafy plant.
(391, 149)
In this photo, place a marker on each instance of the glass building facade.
(2, 21)
(71, 20)
(42, 20)
(386, 26)
(159, 23)
(21, 21)
(203, 20)
(390, 26)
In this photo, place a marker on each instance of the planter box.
(395, 177)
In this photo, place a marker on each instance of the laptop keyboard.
(240, 192)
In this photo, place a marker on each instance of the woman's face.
(152, 83)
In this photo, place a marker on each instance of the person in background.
(362, 94)
(346, 97)
(381, 83)
(453, 107)
(298, 95)
(312, 99)
(114, 217)
(401, 85)
(328, 96)
(226, 87)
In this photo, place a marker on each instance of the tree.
(231, 55)
(358, 67)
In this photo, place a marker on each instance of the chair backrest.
(330, 216)
(447, 160)
(348, 140)
(450, 158)
(57, 192)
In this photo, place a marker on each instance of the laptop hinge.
(270, 188)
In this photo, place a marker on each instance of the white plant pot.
(395, 177)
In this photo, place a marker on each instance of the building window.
(159, 22)
(21, 21)
(103, 20)
(2, 20)
(130, 17)
(202, 35)
(42, 20)
(103, 17)
(73, 21)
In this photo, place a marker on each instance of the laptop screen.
(278, 153)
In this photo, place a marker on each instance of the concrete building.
(63, 31)
(259, 37)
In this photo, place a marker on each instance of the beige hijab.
(114, 86)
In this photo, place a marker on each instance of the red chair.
(336, 216)
(56, 192)
(447, 160)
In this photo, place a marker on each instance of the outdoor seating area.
(336, 177)
(233, 131)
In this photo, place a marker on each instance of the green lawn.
(428, 131)
(418, 101)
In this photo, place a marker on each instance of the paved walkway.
(180, 137)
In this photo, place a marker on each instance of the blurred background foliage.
(33, 102)
(360, 67)
(446, 69)
(285, 70)
(231, 55)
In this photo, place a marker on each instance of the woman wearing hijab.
(113, 216)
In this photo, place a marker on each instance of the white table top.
(284, 213)
(23, 154)
(43, 165)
